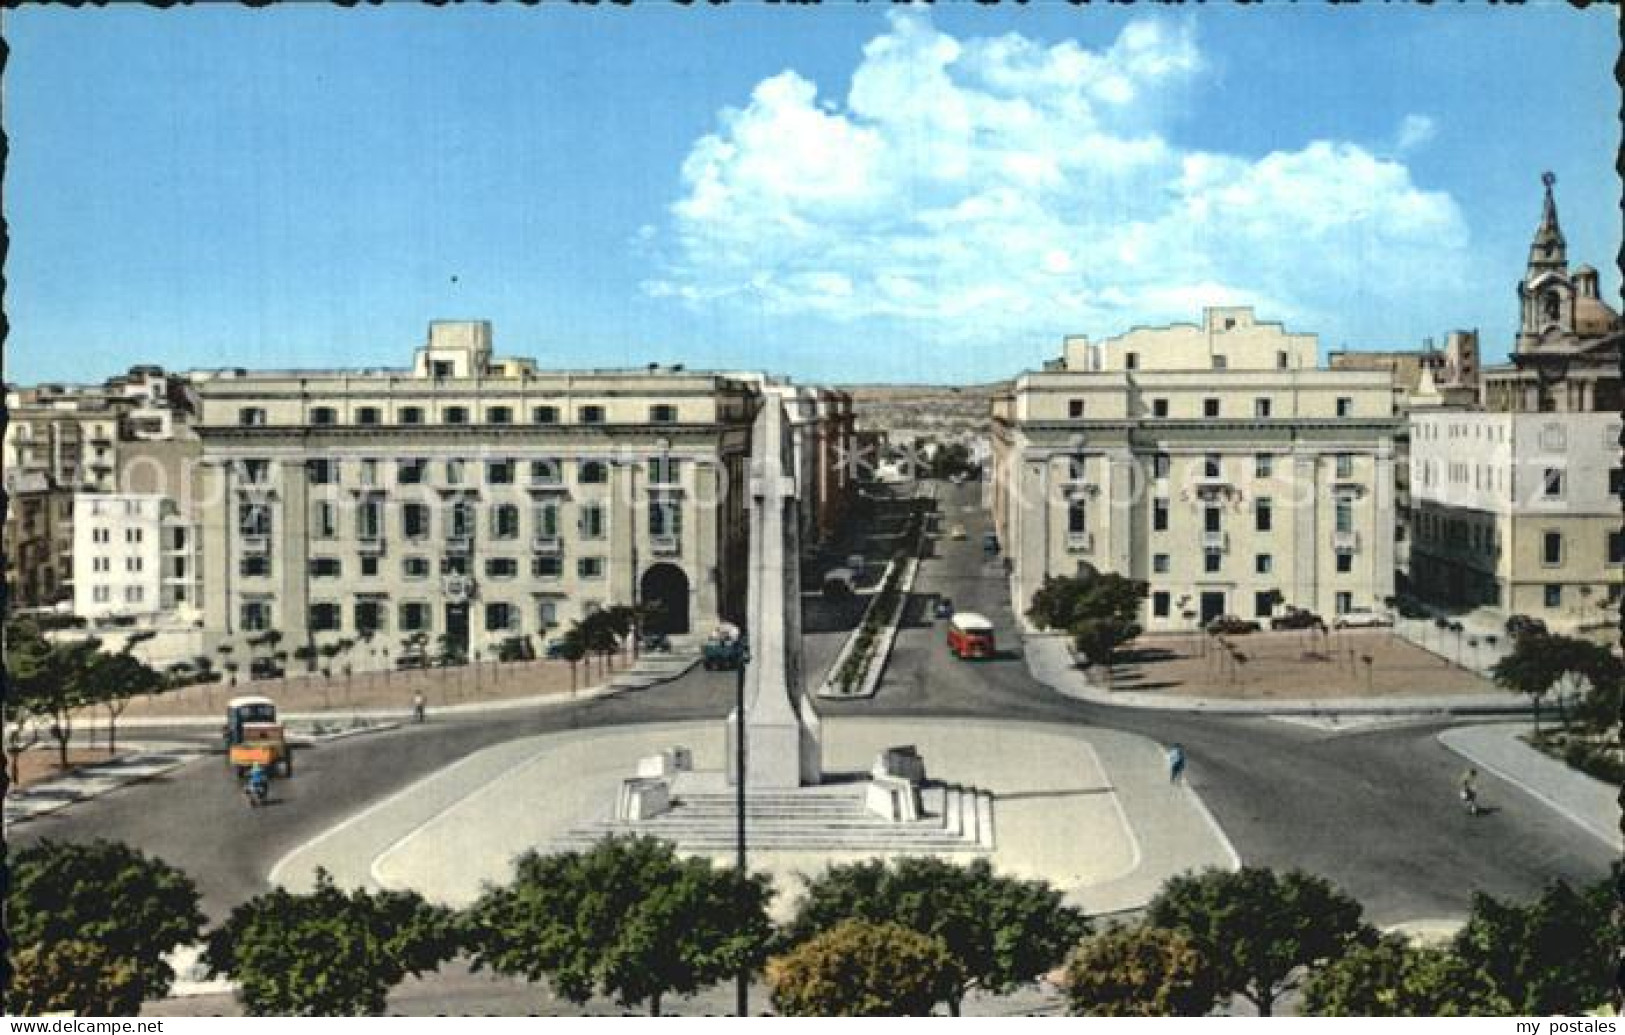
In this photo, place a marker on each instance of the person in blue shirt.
(259, 784)
(1176, 764)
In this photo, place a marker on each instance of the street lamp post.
(743, 989)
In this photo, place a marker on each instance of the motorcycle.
(257, 792)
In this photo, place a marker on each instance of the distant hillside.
(924, 410)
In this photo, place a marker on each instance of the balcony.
(459, 544)
(1080, 542)
(371, 544)
(666, 545)
(546, 544)
(1215, 540)
(256, 545)
(1346, 542)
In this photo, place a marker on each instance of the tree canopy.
(1260, 929)
(1550, 956)
(1100, 611)
(76, 977)
(1393, 978)
(1138, 972)
(627, 919)
(133, 907)
(862, 969)
(1538, 660)
(1001, 931)
(330, 953)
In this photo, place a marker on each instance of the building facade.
(469, 499)
(1517, 505)
(1217, 462)
(134, 558)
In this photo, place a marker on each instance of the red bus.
(970, 635)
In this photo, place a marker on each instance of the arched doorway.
(667, 586)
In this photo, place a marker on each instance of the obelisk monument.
(783, 740)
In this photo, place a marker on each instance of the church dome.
(1593, 317)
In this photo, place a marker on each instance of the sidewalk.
(1051, 663)
(1496, 748)
(143, 762)
(652, 670)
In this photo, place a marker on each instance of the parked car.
(1295, 618)
(944, 608)
(957, 532)
(554, 650)
(1361, 618)
(990, 542)
(1519, 626)
(1230, 625)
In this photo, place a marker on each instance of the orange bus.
(970, 635)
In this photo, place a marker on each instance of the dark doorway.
(1212, 606)
(457, 630)
(666, 587)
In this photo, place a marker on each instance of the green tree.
(1098, 639)
(1100, 611)
(1001, 931)
(1138, 972)
(1259, 929)
(111, 680)
(49, 679)
(134, 907)
(627, 919)
(1538, 660)
(862, 969)
(1551, 956)
(75, 977)
(330, 953)
(1393, 978)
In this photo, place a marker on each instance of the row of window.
(1213, 516)
(544, 566)
(1263, 563)
(104, 535)
(369, 416)
(372, 614)
(665, 518)
(661, 470)
(1212, 406)
(132, 594)
(494, 567)
(1213, 465)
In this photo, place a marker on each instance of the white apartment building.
(470, 497)
(1217, 462)
(133, 556)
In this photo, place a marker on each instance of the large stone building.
(1517, 505)
(1218, 462)
(474, 497)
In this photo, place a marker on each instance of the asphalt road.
(1374, 811)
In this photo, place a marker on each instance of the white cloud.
(991, 189)
(1414, 131)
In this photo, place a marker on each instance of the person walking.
(1176, 764)
(1469, 791)
(417, 706)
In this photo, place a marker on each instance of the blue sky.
(852, 192)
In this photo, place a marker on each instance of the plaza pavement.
(1050, 662)
(1087, 809)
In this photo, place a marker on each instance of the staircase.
(827, 818)
(654, 668)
